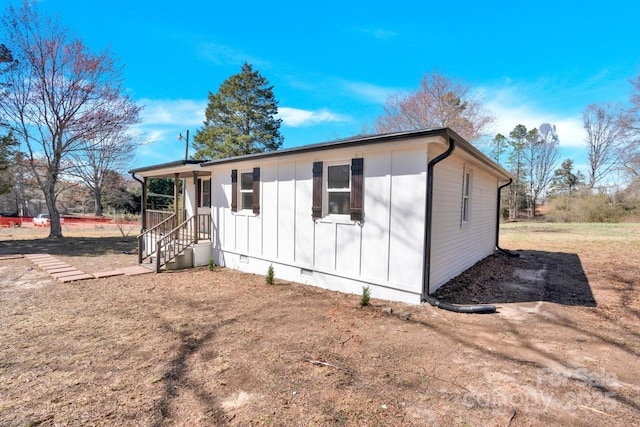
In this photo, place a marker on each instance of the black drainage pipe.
(142, 194)
(504, 251)
(466, 308)
(426, 278)
(426, 274)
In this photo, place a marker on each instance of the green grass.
(591, 229)
(569, 236)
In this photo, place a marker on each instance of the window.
(206, 193)
(338, 189)
(249, 190)
(466, 195)
(246, 190)
(341, 193)
(203, 192)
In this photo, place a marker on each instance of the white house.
(401, 213)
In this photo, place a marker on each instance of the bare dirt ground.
(219, 347)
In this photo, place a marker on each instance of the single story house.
(401, 213)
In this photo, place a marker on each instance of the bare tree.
(7, 159)
(607, 128)
(438, 102)
(632, 160)
(635, 101)
(541, 157)
(104, 153)
(58, 96)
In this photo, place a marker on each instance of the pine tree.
(240, 118)
(8, 146)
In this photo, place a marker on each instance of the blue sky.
(333, 63)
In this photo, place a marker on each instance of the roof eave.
(168, 170)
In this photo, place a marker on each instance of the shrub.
(270, 275)
(366, 295)
(212, 264)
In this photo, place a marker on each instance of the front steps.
(196, 255)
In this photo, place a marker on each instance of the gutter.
(144, 225)
(498, 221)
(426, 277)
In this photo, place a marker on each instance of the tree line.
(532, 156)
(66, 119)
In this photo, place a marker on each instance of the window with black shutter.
(246, 192)
(338, 189)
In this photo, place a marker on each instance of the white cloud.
(162, 121)
(508, 105)
(222, 55)
(185, 112)
(379, 33)
(296, 117)
(370, 92)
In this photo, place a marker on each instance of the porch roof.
(184, 169)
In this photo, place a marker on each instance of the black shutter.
(357, 193)
(234, 190)
(256, 191)
(199, 192)
(316, 208)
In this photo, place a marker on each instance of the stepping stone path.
(10, 256)
(64, 272)
(57, 269)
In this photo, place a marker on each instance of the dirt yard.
(203, 348)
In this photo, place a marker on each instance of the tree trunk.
(97, 194)
(532, 203)
(55, 230)
(532, 212)
(513, 203)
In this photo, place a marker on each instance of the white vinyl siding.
(455, 248)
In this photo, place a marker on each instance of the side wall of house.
(458, 244)
(384, 251)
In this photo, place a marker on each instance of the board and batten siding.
(384, 251)
(456, 246)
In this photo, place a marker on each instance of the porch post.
(194, 204)
(144, 203)
(176, 199)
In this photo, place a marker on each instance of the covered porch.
(180, 236)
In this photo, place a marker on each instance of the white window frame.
(326, 190)
(467, 190)
(241, 191)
